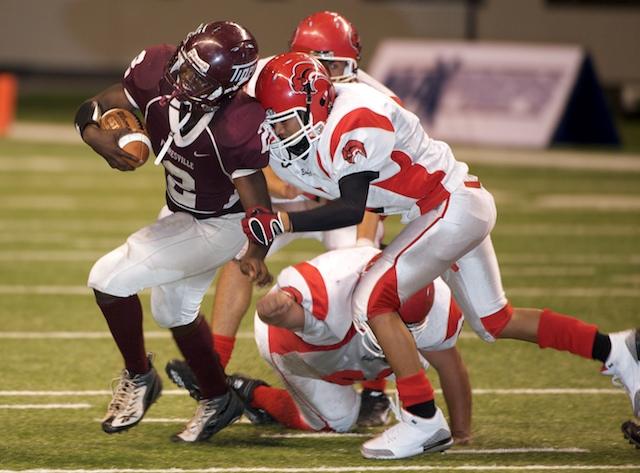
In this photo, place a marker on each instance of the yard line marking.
(588, 201)
(581, 292)
(314, 435)
(500, 451)
(94, 392)
(552, 259)
(45, 406)
(94, 335)
(336, 469)
(174, 420)
(606, 162)
(475, 391)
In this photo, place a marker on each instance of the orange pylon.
(8, 94)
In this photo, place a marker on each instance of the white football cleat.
(624, 365)
(413, 435)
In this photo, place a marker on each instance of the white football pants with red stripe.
(451, 241)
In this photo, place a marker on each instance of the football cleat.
(411, 436)
(624, 365)
(132, 396)
(212, 415)
(374, 409)
(244, 388)
(182, 376)
(631, 432)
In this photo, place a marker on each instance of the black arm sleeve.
(345, 211)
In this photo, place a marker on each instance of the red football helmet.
(212, 62)
(329, 37)
(295, 85)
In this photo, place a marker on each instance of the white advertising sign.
(481, 93)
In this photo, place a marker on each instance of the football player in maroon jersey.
(208, 135)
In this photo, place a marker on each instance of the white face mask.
(300, 143)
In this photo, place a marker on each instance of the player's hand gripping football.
(105, 143)
(262, 225)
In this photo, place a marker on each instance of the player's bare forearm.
(456, 389)
(367, 229)
(113, 97)
(252, 190)
(279, 188)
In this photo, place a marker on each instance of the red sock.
(223, 346)
(414, 389)
(197, 349)
(374, 384)
(280, 405)
(566, 333)
(124, 317)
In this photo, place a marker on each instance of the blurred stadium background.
(567, 234)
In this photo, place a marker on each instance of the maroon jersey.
(201, 159)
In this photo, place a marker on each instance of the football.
(137, 142)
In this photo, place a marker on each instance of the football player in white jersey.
(335, 41)
(304, 330)
(360, 150)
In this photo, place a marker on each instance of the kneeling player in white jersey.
(359, 149)
(304, 330)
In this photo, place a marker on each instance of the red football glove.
(261, 225)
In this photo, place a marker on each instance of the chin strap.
(169, 139)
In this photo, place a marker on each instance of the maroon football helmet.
(329, 37)
(213, 62)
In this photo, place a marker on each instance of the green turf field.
(568, 239)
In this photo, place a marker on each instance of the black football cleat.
(132, 397)
(244, 387)
(212, 415)
(631, 432)
(375, 408)
(182, 376)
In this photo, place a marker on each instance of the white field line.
(37, 235)
(338, 469)
(519, 158)
(581, 292)
(45, 406)
(478, 391)
(91, 335)
(501, 451)
(619, 203)
(551, 259)
(504, 157)
(175, 420)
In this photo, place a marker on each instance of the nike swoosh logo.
(200, 155)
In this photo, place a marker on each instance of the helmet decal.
(243, 72)
(303, 78)
(201, 65)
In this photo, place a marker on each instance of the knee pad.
(168, 312)
(496, 322)
(106, 277)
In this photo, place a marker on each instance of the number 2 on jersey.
(180, 186)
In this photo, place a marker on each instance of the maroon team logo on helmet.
(303, 78)
(352, 149)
